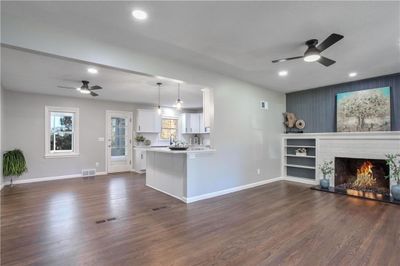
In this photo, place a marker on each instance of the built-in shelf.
(300, 166)
(299, 146)
(300, 156)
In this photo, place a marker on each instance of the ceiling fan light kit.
(85, 89)
(313, 52)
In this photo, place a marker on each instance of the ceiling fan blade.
(326, 61)
(286, 59)
(96, 87)
(64, 87)
(93, 94)
(331, 40)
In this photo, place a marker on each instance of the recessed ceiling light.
(92, 70)
(352, 74)
(283, 73)
(139, 14)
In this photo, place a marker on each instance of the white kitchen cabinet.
(208, 108)
(147, 121)
(202, 128)
(192, 123)
(139, 163)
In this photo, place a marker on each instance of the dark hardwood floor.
(282, 223)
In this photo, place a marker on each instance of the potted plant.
(326, 169)
(14, 164)
(140, 139)
(393, 160)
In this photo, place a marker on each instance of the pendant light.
(179, 102)
(159, 98)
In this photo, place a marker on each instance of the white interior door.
(119, 141)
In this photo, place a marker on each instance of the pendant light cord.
(159, 94)
(179, 91)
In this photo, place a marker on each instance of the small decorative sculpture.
(291, 121)
(301, 152)
(300, 124)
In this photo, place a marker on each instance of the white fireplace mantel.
(362, 145)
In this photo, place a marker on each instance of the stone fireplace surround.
(363, 145)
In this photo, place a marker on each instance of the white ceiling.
(240, 39)
(38, 73)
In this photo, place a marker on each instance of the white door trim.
(108, 130)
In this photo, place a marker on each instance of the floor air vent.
(106, 220)
(159, 208)
(88, 172)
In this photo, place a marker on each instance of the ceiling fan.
(313, 52)
(85, 89)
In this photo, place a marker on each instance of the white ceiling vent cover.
(88, 172)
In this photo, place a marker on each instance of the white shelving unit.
(297, 166)
(301, 156)
(299, 146)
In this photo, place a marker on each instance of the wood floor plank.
(282, 223)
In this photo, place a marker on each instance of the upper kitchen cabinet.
(192, 123)
(148, 121)
(208, 108)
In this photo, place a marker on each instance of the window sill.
(61, 155)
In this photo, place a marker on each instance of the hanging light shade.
(179, 102)
(159, 98)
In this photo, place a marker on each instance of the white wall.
(246, 138)
(1, 135)
(24, 129)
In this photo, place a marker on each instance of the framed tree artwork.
(364, 110)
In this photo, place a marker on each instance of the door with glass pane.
(119, 141)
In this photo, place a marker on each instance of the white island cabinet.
(179, 173)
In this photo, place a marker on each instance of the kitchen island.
(177, 173)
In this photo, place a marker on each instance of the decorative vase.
(139, 143)
(396, 192)
(324, 183)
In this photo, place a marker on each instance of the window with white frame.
(62, 131)
(169, 128)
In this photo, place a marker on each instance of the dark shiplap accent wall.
(317, 107)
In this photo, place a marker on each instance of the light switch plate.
(100, 139)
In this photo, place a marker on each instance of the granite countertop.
(167, 150)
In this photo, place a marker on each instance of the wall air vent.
(88, 172)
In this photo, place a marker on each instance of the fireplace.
(362, 177)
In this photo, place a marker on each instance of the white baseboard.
(300, 180)
(182, 199)
(138, 171)
(230, 190)
(50, 178)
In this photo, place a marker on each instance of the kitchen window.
(169, 127)
(61, 131)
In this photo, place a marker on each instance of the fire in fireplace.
(362, 177)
